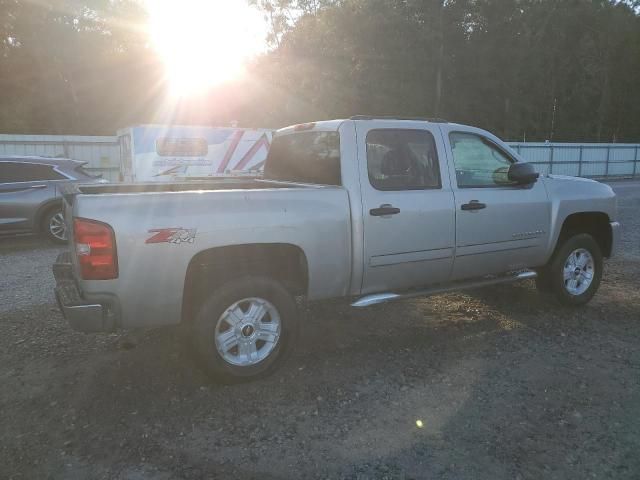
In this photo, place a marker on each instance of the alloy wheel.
(248, 331)
(57, 226)
(578, 271)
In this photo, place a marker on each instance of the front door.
(409, 221)
(500, 226)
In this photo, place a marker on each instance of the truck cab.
(439, 206)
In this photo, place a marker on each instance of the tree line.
(558, 70)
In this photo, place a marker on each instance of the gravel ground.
(498, 383)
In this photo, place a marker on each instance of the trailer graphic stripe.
(263, 142)
(231, 150)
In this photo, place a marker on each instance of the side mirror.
(522, 173)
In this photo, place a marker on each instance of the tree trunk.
(604, 100)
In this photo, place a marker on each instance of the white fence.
(583, 159)
(577, 159)
(102, 154)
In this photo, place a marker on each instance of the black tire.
(46, 226)
(211, 310)
(552, 276)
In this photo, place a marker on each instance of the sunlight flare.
(204, 43)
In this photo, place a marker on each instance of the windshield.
(305, 157)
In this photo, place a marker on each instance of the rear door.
(24, 187)
(500, 226)
(409, 221)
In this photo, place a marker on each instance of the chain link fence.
(102, 153)
(596, 160)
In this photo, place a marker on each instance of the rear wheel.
(574, 273)
(54, 226)
(245, 329)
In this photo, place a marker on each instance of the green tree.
(534, 69)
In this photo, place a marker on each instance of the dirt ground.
(498, 383)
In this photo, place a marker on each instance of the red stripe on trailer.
(230, 151)
(264, 141)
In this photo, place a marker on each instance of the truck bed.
(315, 219)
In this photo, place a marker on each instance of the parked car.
(30, 195)
(371, 209)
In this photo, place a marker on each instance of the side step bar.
(376, 298)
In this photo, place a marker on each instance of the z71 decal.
(172, 235)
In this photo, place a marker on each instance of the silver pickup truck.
(374, 209)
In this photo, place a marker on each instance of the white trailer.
(151, 153)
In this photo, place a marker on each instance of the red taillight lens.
(95, 249)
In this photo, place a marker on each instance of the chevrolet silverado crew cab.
(374, 209)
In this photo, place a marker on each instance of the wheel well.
(42, 211)
(594, 223)
(208, 269)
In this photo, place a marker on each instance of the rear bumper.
(615, 238)
(81, 314)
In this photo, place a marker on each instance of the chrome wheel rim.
(578, 272)
(248, 331)
(57, 227)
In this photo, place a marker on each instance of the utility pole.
(553, 118)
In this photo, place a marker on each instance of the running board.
(463, 285)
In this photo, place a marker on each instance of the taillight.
(95, 249)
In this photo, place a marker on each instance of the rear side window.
(402, 160)
(305, 157)
(27, 172)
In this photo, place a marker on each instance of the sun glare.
(204, 42)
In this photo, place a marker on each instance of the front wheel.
(245, 329)
(575, 271)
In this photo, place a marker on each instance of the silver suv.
(30, 194)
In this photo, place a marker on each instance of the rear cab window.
(305, 157)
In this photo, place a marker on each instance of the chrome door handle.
(473, 205)
(384, 210)
(38, 186)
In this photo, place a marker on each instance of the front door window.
(478, 162)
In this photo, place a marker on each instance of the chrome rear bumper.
(83, 316)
